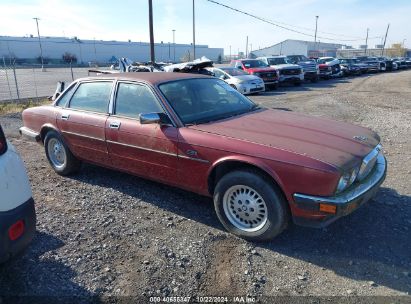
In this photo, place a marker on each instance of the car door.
(82, 121)
(148, 150)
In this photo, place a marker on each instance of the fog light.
(328, 208)
(16, 230)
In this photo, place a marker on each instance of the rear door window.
(92, 96)
(135, 99)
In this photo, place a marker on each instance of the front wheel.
(59, 156)
(249, 206)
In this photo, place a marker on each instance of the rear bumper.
(30, 134)
(26, 213)
(344, 203)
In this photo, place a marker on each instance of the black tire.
(277, 210)
(71, 163)
(315, 79)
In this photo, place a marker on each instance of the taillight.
(3, 142)
(16, 230)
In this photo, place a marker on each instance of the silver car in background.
(239, 80)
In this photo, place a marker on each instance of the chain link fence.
(21, 84)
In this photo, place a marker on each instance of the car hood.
(262, 69)
(326, 140)
(286, 66)
(242, 78)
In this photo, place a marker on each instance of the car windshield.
(324, 60)
(234, 72)
(254, 64)
(202, 100)
(297, 58)
(275, 61)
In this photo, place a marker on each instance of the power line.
(284, 27)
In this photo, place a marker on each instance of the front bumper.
(248, 88)
(311, 75)
(291, 78)
(26, 213)
(345, 202)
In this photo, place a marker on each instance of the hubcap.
(245, 208)
(57, 153)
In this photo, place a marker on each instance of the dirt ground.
(107, 234)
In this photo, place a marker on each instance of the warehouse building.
(299, 47)
(396, 50)
(27, 50)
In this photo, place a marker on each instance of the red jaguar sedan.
(262, 167)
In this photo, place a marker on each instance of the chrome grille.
(368, 163)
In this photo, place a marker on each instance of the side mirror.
(149, 118)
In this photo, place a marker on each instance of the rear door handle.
(65, 116)
(115, 125)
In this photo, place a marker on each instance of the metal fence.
(19, 83)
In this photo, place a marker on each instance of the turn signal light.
(16, 230)
(328, 208)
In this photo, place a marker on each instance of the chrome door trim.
(140, 148)
(193, 158)
(82, 135)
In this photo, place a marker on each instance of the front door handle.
(65, 116)
(115, 125)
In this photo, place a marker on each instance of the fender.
(249, 161)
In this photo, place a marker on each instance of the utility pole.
(366, 43)
(194, 32)
(174, 44)
(150, 18)
(95, 51)
(385, 40)
(246, 48)
(315, 35)
(41, 49)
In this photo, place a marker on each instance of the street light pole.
(315, 35)
(41, 49)
(194, 33)
(150, 18)
(366, 43)
(174, 44)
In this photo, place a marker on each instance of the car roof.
(150, 77)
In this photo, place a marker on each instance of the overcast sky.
(216, 26)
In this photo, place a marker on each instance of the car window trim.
(72, 85)
(92, 81)
(114, 101)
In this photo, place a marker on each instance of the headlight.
(347, 179)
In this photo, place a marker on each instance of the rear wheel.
(249, 206)
(59, 155)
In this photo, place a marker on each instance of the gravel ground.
(108, 234)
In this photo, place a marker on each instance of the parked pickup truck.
(329, 67)
(310, 67)
(260, 69)
(288, 72)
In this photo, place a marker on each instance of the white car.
(17, 212)
(239, 80)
